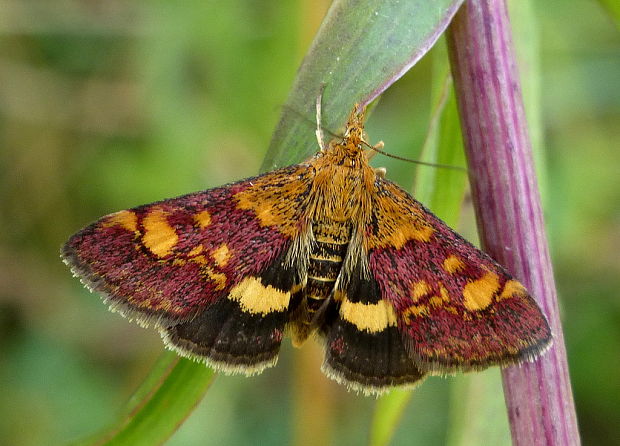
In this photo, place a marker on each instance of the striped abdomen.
(326, 257)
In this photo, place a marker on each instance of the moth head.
(354, 132)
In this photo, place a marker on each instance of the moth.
(327, 248)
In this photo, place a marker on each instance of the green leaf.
(158, 373)
(160, 405)
(442, 189)
(613, 10)
(161, 414)
(477, 410)
(362, 47)
(388, 413)
(526, 38)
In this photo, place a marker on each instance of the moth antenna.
(377, 148)
(319, 129)
(310, 121)
(372, 152)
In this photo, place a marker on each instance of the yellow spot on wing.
(369, 317)
(436, 301)
(159, 237)
(453, 264)
(444, 293)
(126, 219)
(195, 251)
(400, 236)
(512, 288)
(203, 219)
(221, 255)
(419, 289)
(254, 297)
(451, 309)
(414, 310)
(399, 220)
(477, 295)
(201, 260)
(218, 278)
(265, 198)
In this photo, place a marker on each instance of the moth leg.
(380, 172)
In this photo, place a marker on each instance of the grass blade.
(388, 413)
(168, 407)
(362, 47)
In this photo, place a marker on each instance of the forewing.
(456, 308)
(167, 261)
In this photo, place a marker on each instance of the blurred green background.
(107, 105)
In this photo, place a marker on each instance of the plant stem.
(507, 202)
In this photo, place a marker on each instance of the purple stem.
(510, 222)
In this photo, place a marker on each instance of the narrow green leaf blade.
(159, 405)
(362, 48)
(477, 410)
(388, 413)
(173, 401)
(441, 189)
(157, 375)
(613, 10)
